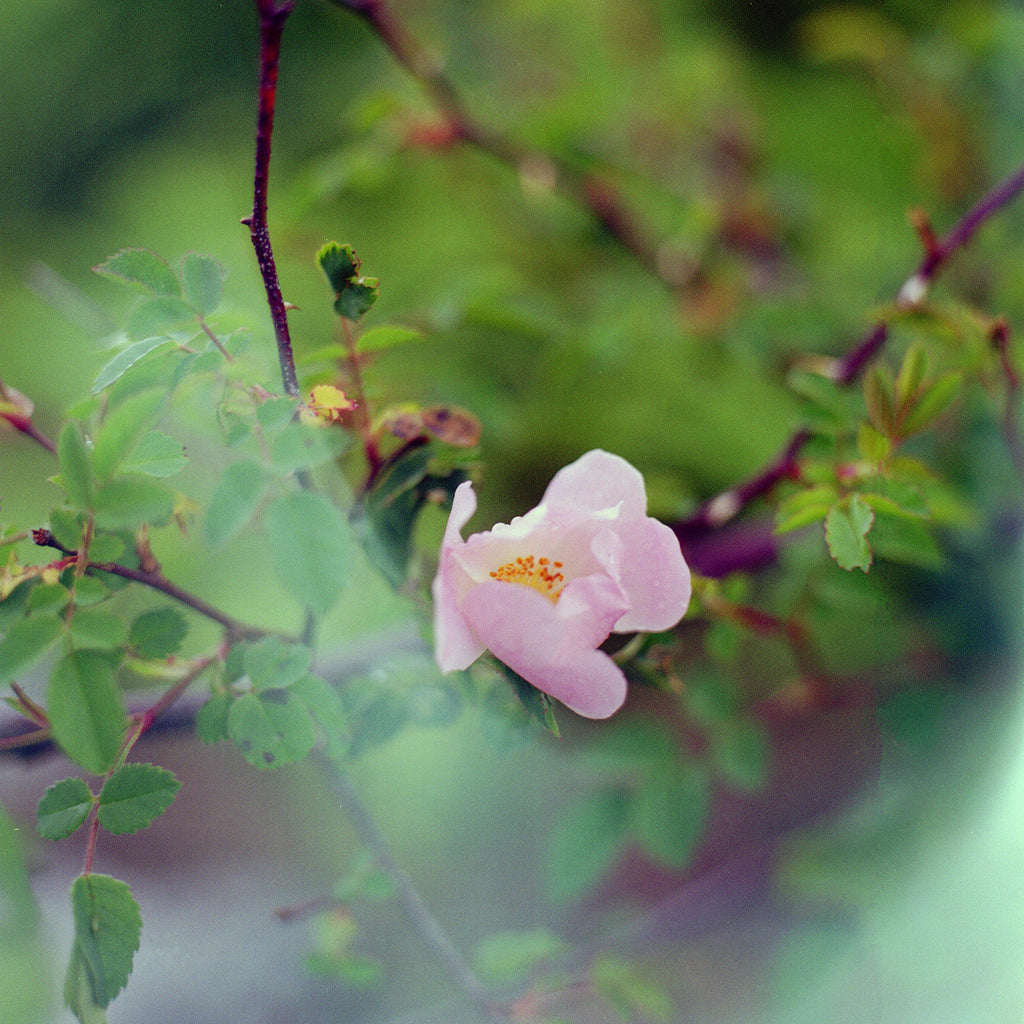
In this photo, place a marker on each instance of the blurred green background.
(774, 149)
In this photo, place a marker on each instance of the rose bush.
(543, 592)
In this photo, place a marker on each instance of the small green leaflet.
(142, 270)
(84, 705)
(273, 664)
(63, 808)
(126, 359)
(272, 728)
(158, 633)
(846, 529)
(234, 501)
(157, 454)
(107, 929)
(354, 294)
(27, 641)
(134, 796)
(75, 467)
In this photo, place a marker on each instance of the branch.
(412, 903)
(273, 14)
(155, 580)
(716, 512)
(597, 196)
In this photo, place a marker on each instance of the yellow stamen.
(541, 573)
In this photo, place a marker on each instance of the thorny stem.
(729, 503)
(273, 15)
(593, 194)
(411, 902)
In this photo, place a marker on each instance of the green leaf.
(107, 929)
(63, 808)
(97, 627)
(585, 841)
(339, 263)
(126, 359)
(135, 795)
(84, 706)
(354, 295)
(506, 958)
(160, 316)
(303, 446)
(48, 597)
(26, 642)
(273, 664)
(633, 997)
(872, 446)
(121, 429)
(846, 529)
(67, 527)
(905, 540)
(275, 413)
(141, 269)
(912, 373)
(804, 507)
(234, 501)
(308, 539)
(931, 403)
(127, 502)
(157, 634)
(387, 336)
(325, 705)
(104, 547)
(157, 454)
(203, 278)
(212, 718)
(878, 397)
(669, 811)
(78, 994)
(271, 729)
(75, 469)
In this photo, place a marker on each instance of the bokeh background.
(771, 153)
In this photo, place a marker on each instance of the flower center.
(540, 573)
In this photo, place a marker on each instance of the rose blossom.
(543, 592)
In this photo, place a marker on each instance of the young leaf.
(931, 403)
(126, 359)
(846, 529)
(107, 929)
(203, 278)
(324, 703)
(27, 641)
(63, 808)
(85, 710)
(272, 664)
(135, 795)
(75, 470)
(157, 454)
(309, 547)
(508, 957)
(913, 371)
(126, 503)
(120, 430)
(142, 270)
(354, 295)
(157, 634)
(233, 501)
(271, 729)
(878, 390)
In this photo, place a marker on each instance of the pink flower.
(543, 592)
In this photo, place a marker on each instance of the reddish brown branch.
(273, 15)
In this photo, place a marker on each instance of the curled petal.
(599, 480)
(526, 632)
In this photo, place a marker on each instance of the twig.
(412, 903)
(273, 15)
(155, 580)
(725, 506)
(597, 196)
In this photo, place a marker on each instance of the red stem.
(273, 15)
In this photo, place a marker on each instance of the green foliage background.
(778, 145)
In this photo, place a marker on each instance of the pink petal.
(655, 575)
(455, 645)
(596, 481)
(525, 631)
